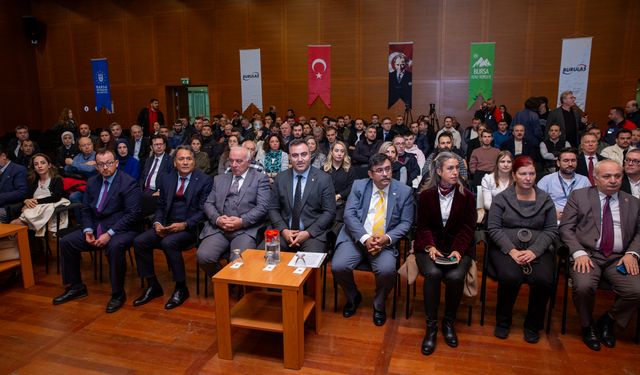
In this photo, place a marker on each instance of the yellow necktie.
(380, 216)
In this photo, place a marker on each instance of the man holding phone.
(601, 227)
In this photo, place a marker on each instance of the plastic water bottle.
(272, 246)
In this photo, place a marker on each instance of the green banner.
(481, 71)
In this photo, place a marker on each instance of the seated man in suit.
(139, 144)
(111, 208)
(379, 212)
(158, 163)
(631, 179)
(601, 227)
(303, 203)
(179, 210)
(236, 209)
(519, 145)
(13, 184)
(589, 156)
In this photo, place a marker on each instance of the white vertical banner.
(250, 78)
(574, 69)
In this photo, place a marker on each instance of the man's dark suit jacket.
(400, 90)
(390, 135)
(582, 167)
(318, 202)
(580, 225)
(527, 148)
(195, 195)
(122, 209)
(457, 234)
(13, 184)
(166, 166)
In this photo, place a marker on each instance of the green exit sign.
(185, 81)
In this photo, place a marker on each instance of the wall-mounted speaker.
(33, 29)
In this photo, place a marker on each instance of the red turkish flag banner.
(319, 77)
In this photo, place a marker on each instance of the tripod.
(407, 117)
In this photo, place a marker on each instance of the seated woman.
(399, 171)
(445, 228)
(67, 151)
(274, 158)
(317, 157)
(338, 166)
(105, 141)
(46, 191)
(501, 178)
(126, 162)
(522, 224)
(223, 163)
(202, 158)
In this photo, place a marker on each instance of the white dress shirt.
(371, 212)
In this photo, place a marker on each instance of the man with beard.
(560, 184)
(303, 203)
(366, 148)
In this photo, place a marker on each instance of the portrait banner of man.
(400, 63)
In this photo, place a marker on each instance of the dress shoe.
(350, 308)
(116, 302)
(177, 298)
(590, 338)
(605, 330)
(379, 317)
(501, 332)
(70, 294)
(152, 292)
(531, 336)
(430, 338)
(449, 333)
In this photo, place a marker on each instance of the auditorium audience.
(408, 161)
(456, 138)
(551, 146)
(84, 163)
(483, 158)
(445, 143)
(140, 143)
(502, 134)
(632, 112)
(85, 131)
(273, 156)
(616, 123)
(106, 141)
(202, 159)
(568, 118)
(367, 147)
(21, 135)
(223, 162)
(522, 225)
(518, 144)
(445, 227)
(27, 150)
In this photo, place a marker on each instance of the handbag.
(470, 289)
(409, 269)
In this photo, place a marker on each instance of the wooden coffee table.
(283, 312)
(25, 254)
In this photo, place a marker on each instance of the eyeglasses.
(106, 164)
(633, 161)
(382, 170)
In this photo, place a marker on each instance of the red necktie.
(180, 192)
(591, 170)
(606, 242)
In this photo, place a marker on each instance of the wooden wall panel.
(140, 51)
(200, 38)
(420, 23)
(113, 45)
(151, 44)
(168, 39)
